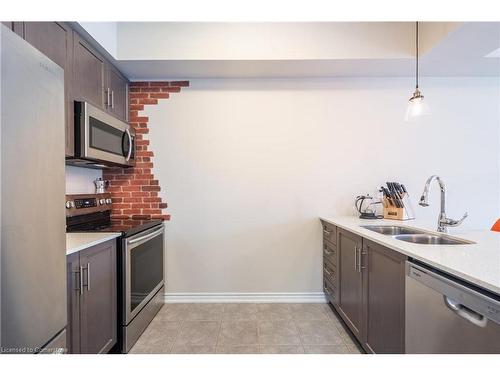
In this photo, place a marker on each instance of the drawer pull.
(328, 272)
(328, 290)
(326, 231)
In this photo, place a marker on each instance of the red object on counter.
(496, 226)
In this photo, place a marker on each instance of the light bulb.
(416, 106)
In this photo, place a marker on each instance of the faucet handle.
(454, 223)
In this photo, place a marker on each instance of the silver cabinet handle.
(327, 252)
(326, 270)
(81, 280)
(112, 99)
(355, 257)
(466, 313)
(130, 145)
(108, 97)
(359, 260)
(88, 277)
(326, 231)
(361, 267)
(327, 289)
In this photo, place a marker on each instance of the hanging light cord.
(416, 48)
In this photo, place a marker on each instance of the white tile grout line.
(300, 336)
(181, 324)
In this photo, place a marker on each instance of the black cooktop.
(101, 222)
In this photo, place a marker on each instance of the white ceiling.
(215, 50)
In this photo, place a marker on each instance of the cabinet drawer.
(330, 291)
(330, 252)
(330, 272)
(330, 233)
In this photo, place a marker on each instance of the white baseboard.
(245, 297)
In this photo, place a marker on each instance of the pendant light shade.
(416, 105)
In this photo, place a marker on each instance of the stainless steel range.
(140, 261)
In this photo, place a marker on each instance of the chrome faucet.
(443, 221)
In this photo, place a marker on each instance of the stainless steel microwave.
(101, 140)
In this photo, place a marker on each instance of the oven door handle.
(146, 237)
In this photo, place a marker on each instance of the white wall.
(80, 180)
(247, 166)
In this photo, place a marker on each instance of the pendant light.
(416, 105)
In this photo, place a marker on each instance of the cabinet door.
(117, 93)
(98, 315)
(349, 247)
(73, 282)
(54, 40)
(17, 27)
(88, 73)
(384, 302)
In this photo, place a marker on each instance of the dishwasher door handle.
(466, 313)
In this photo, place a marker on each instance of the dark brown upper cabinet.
(116, 93)
(54, 39)
(92, 299)
(384, 299)
(17, 27)
(349, 246)
(89, 73)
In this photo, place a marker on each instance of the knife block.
(398, 213)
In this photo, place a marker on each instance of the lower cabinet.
(92, 299)
(351, 281)
(369, 290)
(384, 299)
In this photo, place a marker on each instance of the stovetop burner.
(96, 217)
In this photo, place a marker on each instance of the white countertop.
(477, 263)
(79, 241)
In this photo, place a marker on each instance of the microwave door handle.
(130, 145)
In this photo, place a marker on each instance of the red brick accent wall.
(135, 190)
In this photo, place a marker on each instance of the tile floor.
(246, 328)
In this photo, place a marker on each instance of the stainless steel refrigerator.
(33, 239)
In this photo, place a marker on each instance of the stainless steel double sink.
(416, 236)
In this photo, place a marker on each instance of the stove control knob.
(70, 204)
(102, 201)
(109, 201)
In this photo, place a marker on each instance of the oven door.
(103, 137)
(142, 270)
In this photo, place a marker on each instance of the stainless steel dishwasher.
(446, 315)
